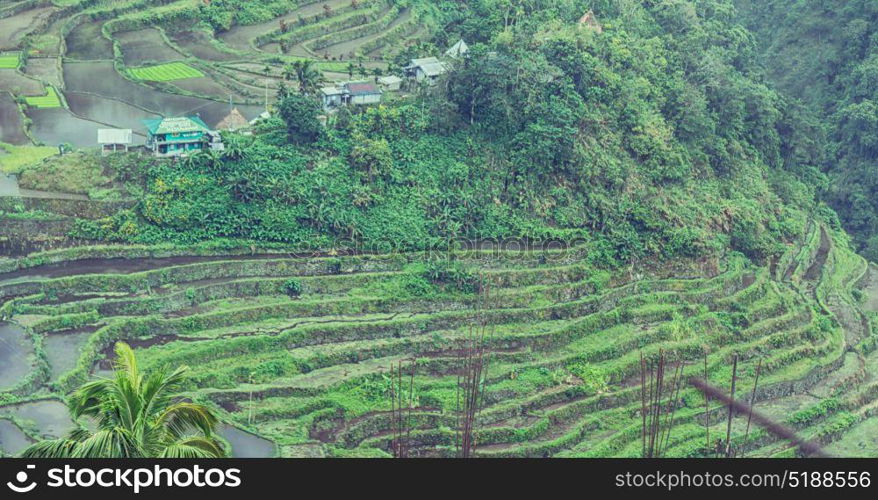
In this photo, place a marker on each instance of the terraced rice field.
(86, 42)
(53, 126)
(50, 100)
(146, 45)
(11, 130)
(16, 83)
(13, 28)
(308, 376)
(169, 68)
(9, 61)
(166, 72)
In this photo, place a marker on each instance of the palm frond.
(87, 399)
(195, 447)
(113, 443)
(157, 388)
(52, 448)
(126, 362)
(182, 418)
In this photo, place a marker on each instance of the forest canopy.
(655, 135)
(825, 54)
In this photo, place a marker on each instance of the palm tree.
(137, 415)
(308, 76)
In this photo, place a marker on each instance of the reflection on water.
(16, 351)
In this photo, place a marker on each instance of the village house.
(362, 93)
(113, 140)
(333, 97)
(179, 136)
(390, 83)
(350, 93)
(426, 69)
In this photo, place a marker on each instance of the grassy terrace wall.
(308, 372)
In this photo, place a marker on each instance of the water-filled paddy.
(14, 28)
(146, 45)
(16, 352)
(11, 127)
(109, 111)
(209, 87)
(46, 69)
(85, 42)
(198, 43)
(15, 82)
(12, 439)
(57, 125)
(245, 444)
(49, 416)
(62, 350)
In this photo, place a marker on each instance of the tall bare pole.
(806, 447)
(731, 407)
(752, 400)
(472, 378)
(643, 404)
(706, 405)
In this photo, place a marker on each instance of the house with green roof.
(180, 136)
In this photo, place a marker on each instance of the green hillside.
(826, 55)
(590, 188)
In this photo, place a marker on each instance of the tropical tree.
(308, 76)
(137, 415)
(300, 115)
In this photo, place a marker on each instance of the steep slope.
(826, 54)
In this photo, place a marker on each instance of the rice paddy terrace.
(309, 375)
(70, 67)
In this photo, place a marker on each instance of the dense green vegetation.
(652, 137)
(138, 416)
(296, 350)
(701, 159)
(825, 53)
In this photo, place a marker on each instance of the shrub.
(594, 380)
(293, 287)
(451, 274)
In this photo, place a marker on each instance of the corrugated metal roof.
(114, 136)
(434, 69)
(389, 80)
(175, 125)
(362, 88)
(328, 91)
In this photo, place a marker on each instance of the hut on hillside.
(426, 69)
(457, 50)
(591, 22)
(113, 140)
(233, 121)
(360, 93)
(390, 83)
(353, 93)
